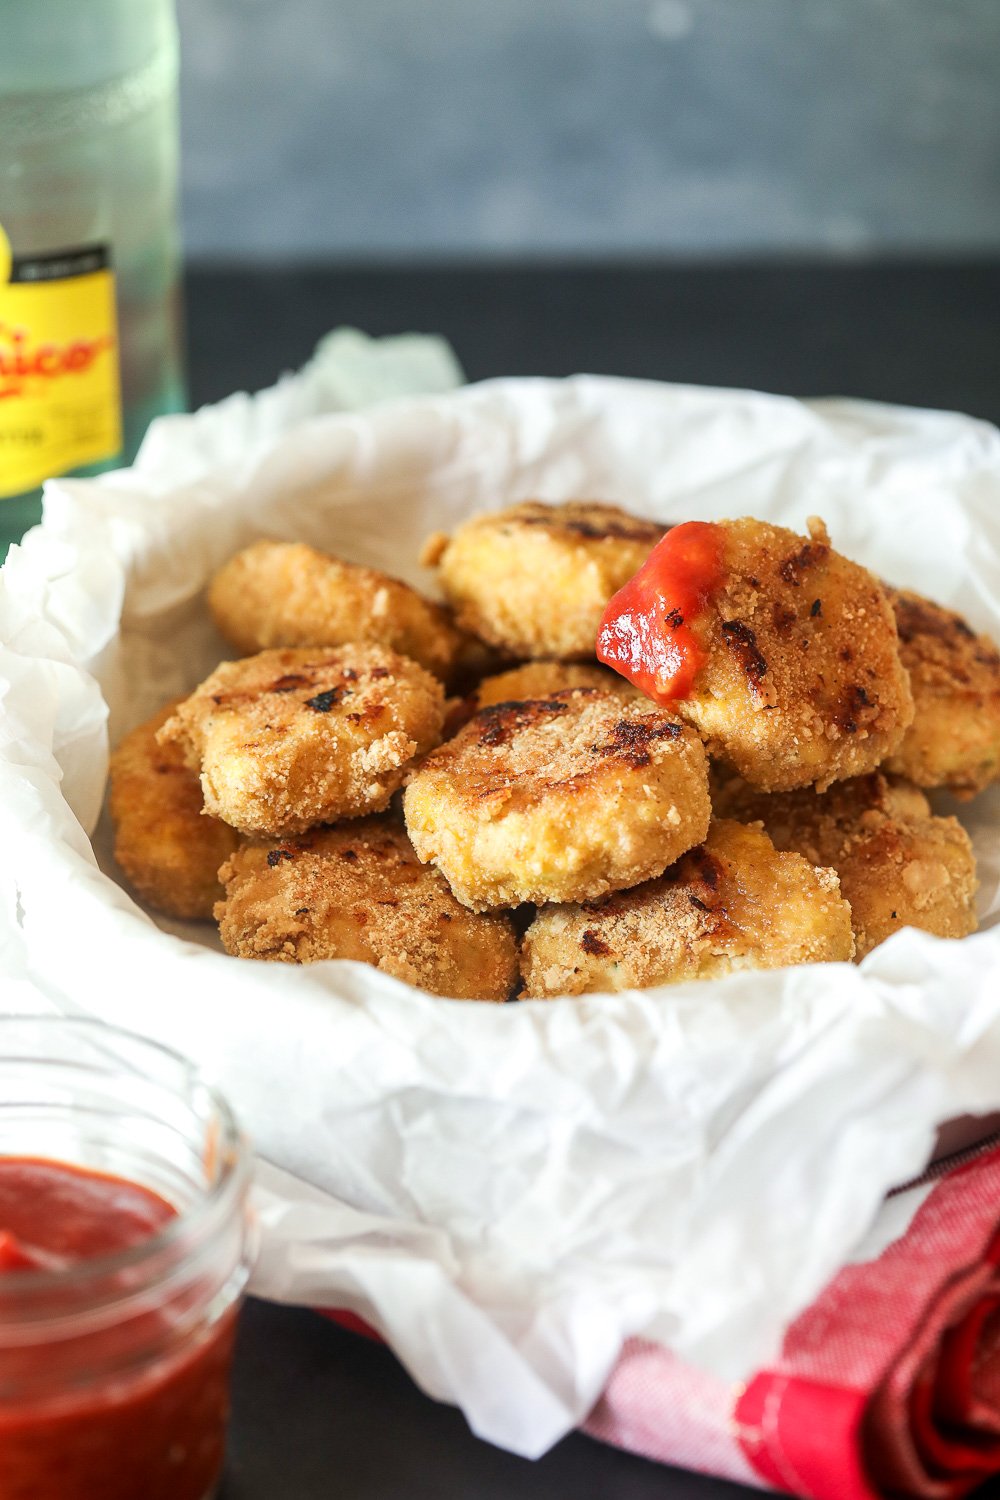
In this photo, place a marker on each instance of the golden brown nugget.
(360, 892)
(539, 679)
(287, 739)
(169, 850)
(558, 799)
(799, 679)
(954, 740)
(288, 594)
(899, 866)
(533, 580)
(733, 903)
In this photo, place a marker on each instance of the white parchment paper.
(506, 1192)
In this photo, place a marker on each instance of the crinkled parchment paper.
(506, 1192)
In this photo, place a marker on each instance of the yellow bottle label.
(60, 393)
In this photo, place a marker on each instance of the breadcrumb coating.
(558, 799)
(533, 580)
(954, 740)
(360, 892)
(288, 594)
(539, 679)
(733, 903)
(167, 848)
(899, 866)
(803, 681)
(287, 739)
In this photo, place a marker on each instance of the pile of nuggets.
(461, 796)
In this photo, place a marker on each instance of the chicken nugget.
(167, 847)
(558, 799)
(899, 866)
(540, 679)
(360, 892)
(289, 738)
(954, 740)
(534, 579)
(288, 594)
(733, 903)
(782, 653)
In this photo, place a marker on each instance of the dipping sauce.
(53, 1214)
(122, 1393)
(649, 629)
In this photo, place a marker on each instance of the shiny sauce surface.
(55, 1215)
(649, 632)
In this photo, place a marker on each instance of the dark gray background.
(402, 128)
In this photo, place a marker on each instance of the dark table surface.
(319, 1412)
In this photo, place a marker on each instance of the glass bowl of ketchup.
(125, 1246)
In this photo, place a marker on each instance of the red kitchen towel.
(889, 1384)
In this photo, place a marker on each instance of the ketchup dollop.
(120, 1410)
(648, 629)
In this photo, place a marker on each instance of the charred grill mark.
(613, 528)
(499, 721)
(323, 702)
(288, 683)
(743, 643)
(631, 738)
(914, 619)
(591, 943)
(808, 556)
(816, 608)
(855, 700)
(233, 697)
(367, 715)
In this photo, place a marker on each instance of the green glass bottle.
(90, 341)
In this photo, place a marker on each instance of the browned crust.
(954, 741)
(558, 798)
(360, 892)
(168, 849)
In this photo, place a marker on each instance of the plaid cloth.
(889, 1384)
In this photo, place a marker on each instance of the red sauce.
(649, 629)
(129, 1412)
(49, 1210)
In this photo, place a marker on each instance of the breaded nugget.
(360, 892)
(954, 740)
(534, 579)
(288, 594)
(558, 799)
(898, 865)
(733, 903)
(539, 679)
(169, 850)
(799, 679)
(286, 739)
